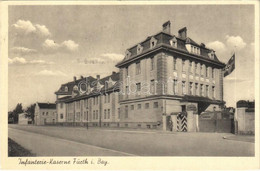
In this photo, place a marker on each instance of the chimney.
(81, 77)
(202, 45)
(183, 33)
(75, 78)
(113, 72)
(98, 77)
(166, 27)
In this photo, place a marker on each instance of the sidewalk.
(128, 130)
(244, 138)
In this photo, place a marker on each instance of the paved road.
(70, 141)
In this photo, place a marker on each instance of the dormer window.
(194, 49)
(173, 42)
(127, 54)
(139, 49)
(198, 51)
(211, 54)
(75, 88)
(66, 89)
(106, 85)
(153, 42)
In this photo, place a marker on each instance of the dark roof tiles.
(164, 39)
(47, 105)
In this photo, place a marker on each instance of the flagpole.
(235, 77)
(235, 114)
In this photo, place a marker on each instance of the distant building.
(23, 119)
(245, 117)
(89, 101)
(45, 113)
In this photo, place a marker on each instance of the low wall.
(245, 122)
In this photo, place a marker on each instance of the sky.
(48, 45)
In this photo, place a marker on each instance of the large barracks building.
(164, 81)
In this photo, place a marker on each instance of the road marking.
(65, 140)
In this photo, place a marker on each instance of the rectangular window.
(94, 114)
(175, 86)
(207, 90)
(146, 105)
(213, 91)
(108, 100)
(201, 90)
(46, 113)
(138, 86)
(93, 100)
(213, 73)
(152, 90)
(152, 63)
(139, 106)
(190, 66)
(126, 111)
(126, 69)
(190, 88)
(61, 116)
(118, 111)
(108, 113)
(105, 114)
(201, 70)
(132, 107)
(86, 103)
(174, 64)
(126, 91)
(155, 105)
(183, 88)
(183, 65)
(87, 115)
(97, 100)
(42, 113)
(196, 88)
(207, 71)
(138, 68)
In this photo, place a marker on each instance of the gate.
(215, 122)
(182, 122)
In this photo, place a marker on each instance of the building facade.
(23, 119)
(45, 113)
(89, 101)
(165, 75)
(164, 82)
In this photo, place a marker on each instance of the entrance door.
(183, 108)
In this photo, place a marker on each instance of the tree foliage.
(18, 109)
(30, 111)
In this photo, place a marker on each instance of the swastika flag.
(230, 66)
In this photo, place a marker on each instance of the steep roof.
(47, 105)
(71, 84)
(113, 85)
(163, 40)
